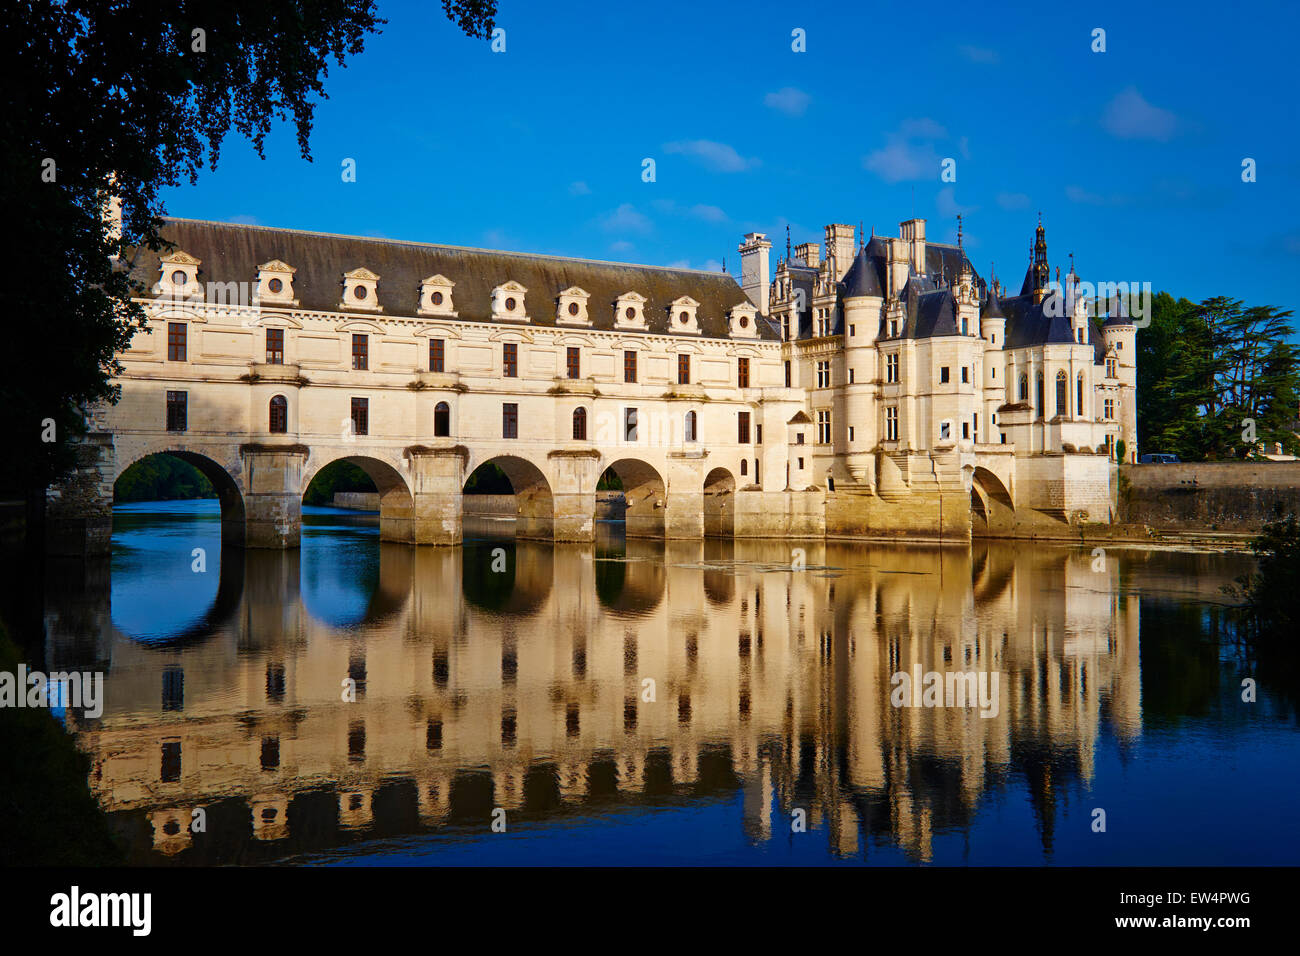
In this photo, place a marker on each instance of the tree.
(122, 99)
(1210, 373)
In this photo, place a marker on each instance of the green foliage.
(120, 99)
(489, 479)
(335, 477)
(609, 481)
(1272, 592)
(1121, 450)
(1205, 369)
(161, 478)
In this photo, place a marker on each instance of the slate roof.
(231, 252)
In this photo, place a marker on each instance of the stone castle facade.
(875, 387)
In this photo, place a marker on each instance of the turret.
(993, 326)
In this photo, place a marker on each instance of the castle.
(875, 387)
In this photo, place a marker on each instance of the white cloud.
(579, 189)
(978, 54)
(626, 218)
(946, 205)
(622, 245)
(1086, 197)
(718, 156)
(908, 153)
(245, 220)
(789, 100)
(1013, 200)
(700, 211)
(1130, 116)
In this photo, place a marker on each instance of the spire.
(1041, 270)
(787, 241)
(958, 230)
(862, 242)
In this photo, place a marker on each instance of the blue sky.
(1133, 155)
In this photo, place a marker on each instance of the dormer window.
(571, 307)
(508, 302)
(435, 296)
(179, 277)
(743, 321)
(629, 311)
(683, 316)
(360, 291)
(275, 283)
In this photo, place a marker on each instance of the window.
(437, 355)
(1024, 388)
(891, 368)
(965, 429)
(360, 351)
(361, 416)
(823, 426)
(629, 424)
(1042, 399)
(509, 420)
(850, 433)
(757, 473)
(943, 374)
(850, 376)
(1062, 394)
(579, 424)
(891, 423)
(510, 360)
(1078, 396)
(629, 366)
(683, 370)
(742, 428)
(758, 434)
(441, 420)
(177, 411)
(275, 346)
(1110, 368)
(945, 431)
(975, 426)
(965, 330)
(742, 372)
(279, 414)
(853, 330)
(965, 377)
(787, 374)
(823, 374)
(176, 341)
(801, 464)
(744, 466)
(798, 440)
(574, 362)
(691, 428)
(893, 329)
(1108, 407)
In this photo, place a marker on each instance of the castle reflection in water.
(523, 689)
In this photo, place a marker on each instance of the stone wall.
(1209, 496)
(357, 500)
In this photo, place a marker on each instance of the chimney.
(753, 269)
(839, 246)
(913, 230)
(809, 253)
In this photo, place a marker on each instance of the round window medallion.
(630, 313)
(744, 321)
(573, 308)
(274, 286)
(179, 277)
(684, 317)
(510, 305)
(359, 292)
(436, 298)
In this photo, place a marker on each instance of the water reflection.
(515, 675)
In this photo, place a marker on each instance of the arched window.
(1062, 394)
(744, 466)
(1042, 400)
(1079, 396)
(1024, 388)
(441, 420)
(690, 431)
(579, 424)
(279, 415)
(964, 330)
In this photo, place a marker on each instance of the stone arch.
(396, 503)
(645, 495)
(993, 511)
(534, 504)
(220, 613)
(229, 488)
(719, 502)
